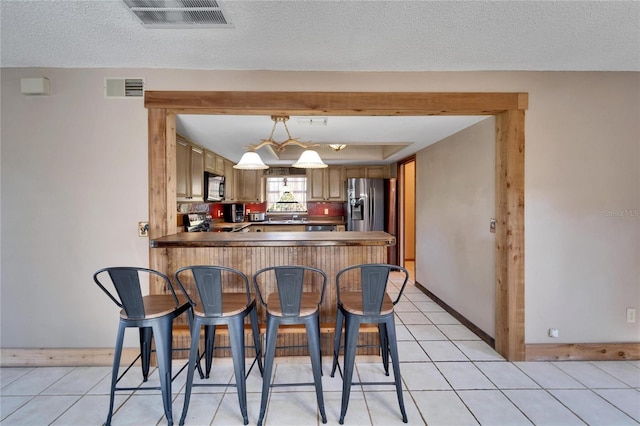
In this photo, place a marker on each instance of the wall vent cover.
(285, 171)
(123, 87)
(180, 13)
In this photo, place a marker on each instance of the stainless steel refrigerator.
(371, 206)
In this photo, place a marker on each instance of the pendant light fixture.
(250, 161)
(309, 159)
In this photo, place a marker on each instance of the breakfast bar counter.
(274, 239)
(252, 251)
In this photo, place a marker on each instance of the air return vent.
(179, 13)
(285, 171)
(123, 87)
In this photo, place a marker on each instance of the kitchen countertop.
(273, 239)
(239, 226)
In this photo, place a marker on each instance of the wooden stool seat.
(352, 303)
(233, 304)
(308, 304)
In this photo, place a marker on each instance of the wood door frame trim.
(508, 108)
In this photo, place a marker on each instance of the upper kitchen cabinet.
(230, 181)
(213, 163)
(372, 172)
(250, 186)
(326, 184)
(189, 170)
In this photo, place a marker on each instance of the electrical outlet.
(631, 314)
(553, 332)
(326, 211)
(143, 229)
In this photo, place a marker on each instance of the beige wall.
(456, 177)
(74, 186)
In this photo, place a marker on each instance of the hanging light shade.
(250, 161)
(309, 159)
(337, 146)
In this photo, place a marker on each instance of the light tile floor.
(450, 377)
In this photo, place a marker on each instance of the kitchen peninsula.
(251, 251)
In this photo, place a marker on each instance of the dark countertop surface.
(274, 239)
(238, 226)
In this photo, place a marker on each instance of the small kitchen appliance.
(213, 187)
(233, 212)
(256, 217)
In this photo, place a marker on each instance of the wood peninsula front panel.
(250, 252)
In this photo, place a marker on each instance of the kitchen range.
(201, 222)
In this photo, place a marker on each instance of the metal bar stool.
(362, 298)
(223, 298)
(153, 315)
(288, 303)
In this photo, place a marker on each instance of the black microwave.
(213, 187)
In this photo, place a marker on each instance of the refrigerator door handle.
(372, 203)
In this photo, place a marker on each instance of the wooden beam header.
(336, 103)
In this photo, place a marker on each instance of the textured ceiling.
(330, 36)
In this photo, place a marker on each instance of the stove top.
(196, 222)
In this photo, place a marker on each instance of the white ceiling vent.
(180, 13)
(123, 87)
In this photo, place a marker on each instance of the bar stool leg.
(336, 340)
(162, 335)
(253, 317)
(351, 331)
(393, 347)
(384, 346)
(313, 341)
(209, 340)
(236, 340)
(193, 359)
(114, 371)
(270, 352)
(146, 334)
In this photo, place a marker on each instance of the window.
(286, 194)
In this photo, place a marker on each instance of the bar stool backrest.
(372, 283)
(374, 286)
(126, 281)
(290, 283)
(210, 283)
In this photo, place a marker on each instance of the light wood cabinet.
(377, 172)
(325, 184)
(354, 172)
(230, 181)
(250, 186)
(189, 171)
(213, 163)
(367, 171)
